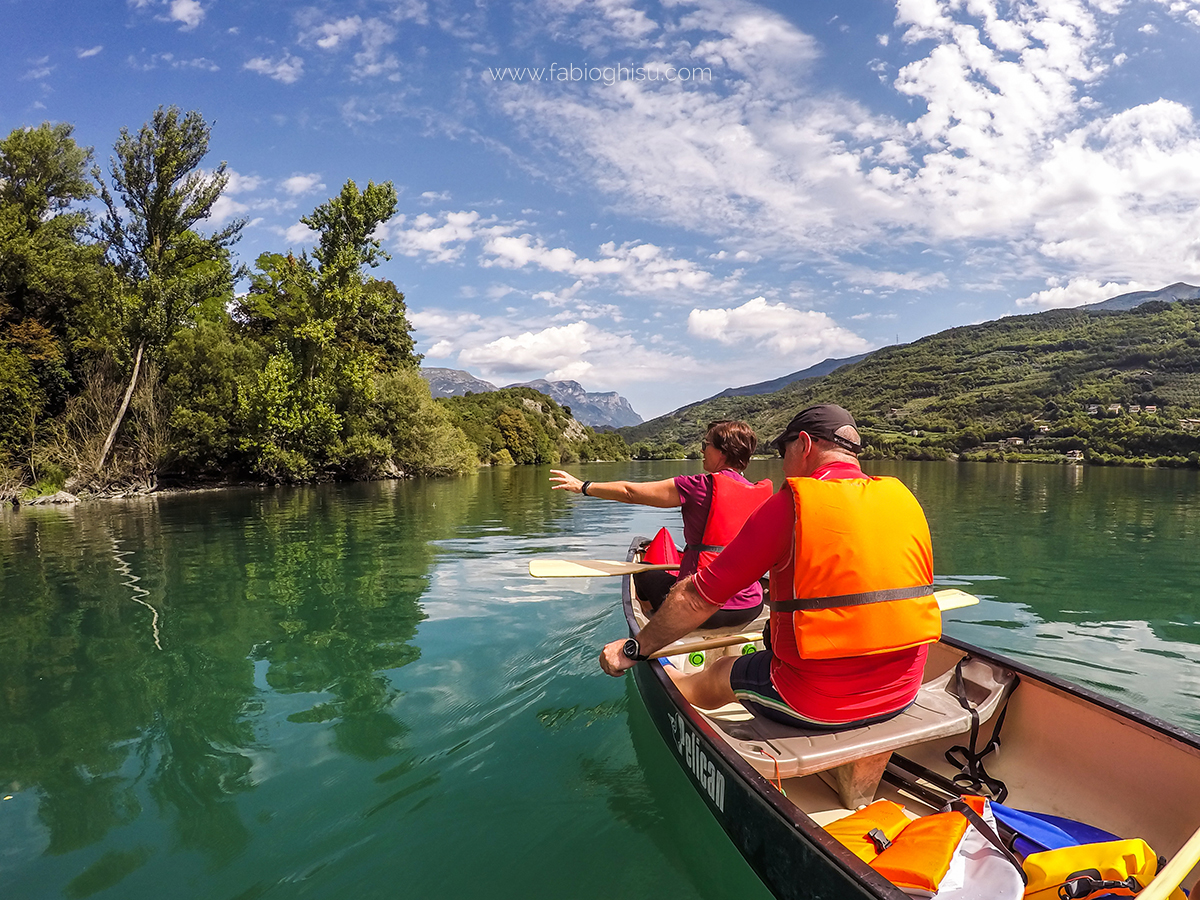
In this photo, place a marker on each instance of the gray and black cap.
(820, 421)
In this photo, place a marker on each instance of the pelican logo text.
(688, 746)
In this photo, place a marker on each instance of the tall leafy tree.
(167, 268)
(47, 272)
(329, 327)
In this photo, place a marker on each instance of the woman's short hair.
(735, 439)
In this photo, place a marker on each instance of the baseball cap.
(820, 421)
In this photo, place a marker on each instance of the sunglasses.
(781, 445)
(705, 444)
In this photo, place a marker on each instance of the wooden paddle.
(951, 598)
(576, 568)
(1173, 873)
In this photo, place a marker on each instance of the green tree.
(329, 329)
(166, 269)
(47, 271)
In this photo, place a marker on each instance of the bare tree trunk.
(112, 432)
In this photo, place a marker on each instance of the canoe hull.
(795, 859)
(1072, 738)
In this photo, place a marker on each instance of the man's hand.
(613, 661)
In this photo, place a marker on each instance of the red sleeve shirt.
(830, 691)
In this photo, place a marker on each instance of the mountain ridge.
(597, 409)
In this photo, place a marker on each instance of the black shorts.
(654, 586)
(750, 679)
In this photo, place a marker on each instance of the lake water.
(356, 691)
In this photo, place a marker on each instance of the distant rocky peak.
(598, 409)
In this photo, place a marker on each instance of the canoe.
(1066, 751)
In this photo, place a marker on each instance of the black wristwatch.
(633, 651)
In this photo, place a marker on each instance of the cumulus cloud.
(299, 235)
(1081, 291)
(1004, 144)
(241, 184)
(375, 35)
(806, 336)
(634, 267)
(441, 238)
(189, 13)
(287, 69)
(225, 209)
(301, 183)
(579, 350)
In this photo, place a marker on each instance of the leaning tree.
(165, 267)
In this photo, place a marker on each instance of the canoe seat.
(852, 762)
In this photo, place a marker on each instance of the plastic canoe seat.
(853, 761)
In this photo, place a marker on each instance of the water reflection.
(320, 690)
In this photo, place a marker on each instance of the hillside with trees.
(1112, 387)
(136, 350)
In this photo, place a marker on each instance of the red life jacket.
(731, 504)
(863, 570)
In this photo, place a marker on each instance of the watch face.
(631, 649)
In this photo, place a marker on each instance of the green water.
(356, 691)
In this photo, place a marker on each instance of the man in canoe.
(714, 506)
(852, 606)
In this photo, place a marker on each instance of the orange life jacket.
(731, 505)
(863, 570)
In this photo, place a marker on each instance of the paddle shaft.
(1173, 872)
(586, 568)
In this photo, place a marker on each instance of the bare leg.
(709, 688)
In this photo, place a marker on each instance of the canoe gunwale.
(1137, 717)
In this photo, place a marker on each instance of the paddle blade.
(582, 568)
(953, 598)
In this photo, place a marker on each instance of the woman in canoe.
(714, 506)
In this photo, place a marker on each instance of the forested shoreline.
(137, 351)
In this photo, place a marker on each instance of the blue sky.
(715, 192)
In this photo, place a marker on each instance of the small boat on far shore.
(1067, 752)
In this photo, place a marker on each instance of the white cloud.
(375, 36)
(189, 13)
(91, 51)
(577, 351)
(287, 69)
(806, 336)
(302, 184)
(225, 209)
(1081, 291)
(1005, 144)
(634, 267)
(170, 61)
(435, 196)
(330, 34)
(241, 184)
(299, 234)
(40, 69)
(440, 239)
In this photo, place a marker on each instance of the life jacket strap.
(807, 603)
(704, 548)
(961, 806)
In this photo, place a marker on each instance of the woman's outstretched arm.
(662, 494)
